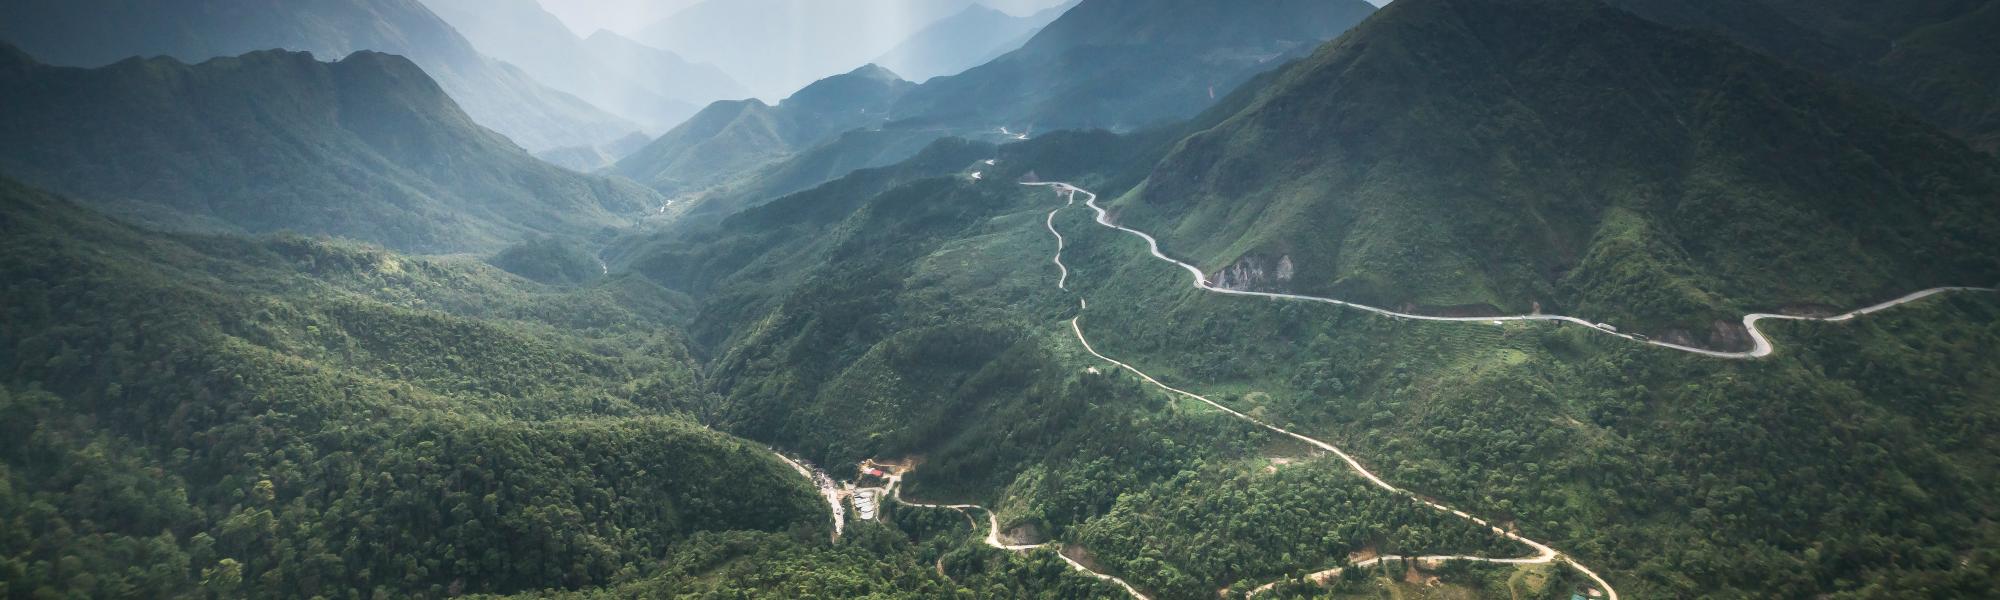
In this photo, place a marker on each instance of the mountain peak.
(870, 88)
(874, 72)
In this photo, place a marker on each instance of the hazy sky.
(630, 16)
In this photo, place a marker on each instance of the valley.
(999, 299)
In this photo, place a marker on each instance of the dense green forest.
(926, 322)
(1624, 172)
(1849, 463)
(1933, 58)
(296, 417)
(589, 406)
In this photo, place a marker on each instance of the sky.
(629, 16)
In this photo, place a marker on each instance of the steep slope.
(1125, 64)
(651, 87)
(885, 316)
(777, 46)
(368, 148)
(730, 138)
(190, 416)
(91, 33)
(1475, 157)
(1937, 58)
(963, 41)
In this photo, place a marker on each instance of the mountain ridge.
(368, 147)
(91, 33)
(1626, 222)
(654, 88)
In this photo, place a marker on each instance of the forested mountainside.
(213, 416)
(988, 343)
(1605, 447)
(1457, 157)
(1935, 58)
(93, 33)
(367, 148)
(1104, 63)
(914, 321)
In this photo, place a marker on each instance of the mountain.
(1104, 63)
(1451, 156)
(965, 40)
(368, 148)
(211, 416)
(1937, 58)
(730, 138)
(663, 72)
(776, 46)
(1126, 64)
(649, 86)
(625, 16)
(90, 33)
(914, 311)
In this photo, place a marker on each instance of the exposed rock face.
(1729, 336)
(1724, 336)
(1255, 273)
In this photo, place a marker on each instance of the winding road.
(1762, 345)
(1544, 554)
(993, 534)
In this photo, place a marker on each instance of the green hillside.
(297, 417)
(366, 148)
(1452, 156)
(1936, 58)
(925, 322)
(580, 392)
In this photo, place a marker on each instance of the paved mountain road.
(993, 535)
(1762, 345)
(1543, 553)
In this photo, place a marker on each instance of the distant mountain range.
(92, 33)
(1104, 63)
(647, 85)
(777, 46)
(368, 147)
(965, 40)
(728, 139)
(1126, 64)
